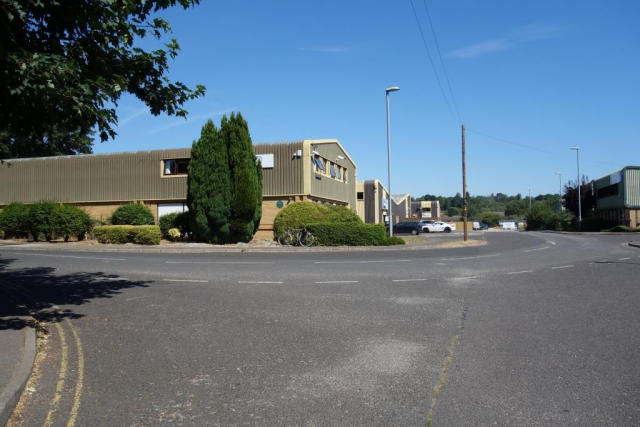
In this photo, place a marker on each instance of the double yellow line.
(62, 376)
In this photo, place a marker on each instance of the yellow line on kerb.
(80, 384)
(61, 378)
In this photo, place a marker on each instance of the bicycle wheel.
(307, 240)
(286, 239)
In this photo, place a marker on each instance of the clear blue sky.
(547, 74)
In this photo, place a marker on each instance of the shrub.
(166, 222)
(179, 220)
(301, 214)
(132, 214)
(596, 224)
(68, 220)
(348, 234)
(40, 220)
(623, 229)
(174, 234)
(14, 220)
(120, 234)
(392, 241)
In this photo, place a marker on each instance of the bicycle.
(296, 237)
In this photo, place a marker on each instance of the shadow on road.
(41, 290)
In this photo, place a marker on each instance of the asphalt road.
(531, 329)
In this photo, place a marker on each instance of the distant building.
(372, 201)
(617, 196)
(401, 207)
(315, 170)
(426, 210)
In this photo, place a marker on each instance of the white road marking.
(217, 262)
(553, 243)
(468, 277)
(520, 272)
(71, 256)
(624, 259)
(257, 281)
(440, 263)
(410, 280)
(359, 262)
(470, 257)
(185, 280)
(340, 281)
(111, 279)
(539, 249)
(562, 266)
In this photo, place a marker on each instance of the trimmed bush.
(166, 222)
(348, 234)
(68, 220)
(120, 234)
(132, 214)
(179, 220)
(174, 234)
(301, 214)
(14, 220)
(40, 220)
(393, 241)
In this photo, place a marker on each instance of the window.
(319, 164)
(338, 173)
(332, 169)
(175, 167)
(360, 195)
(344, 176)
(611, 190)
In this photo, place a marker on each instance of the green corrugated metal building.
(617, 196)
(316, 170)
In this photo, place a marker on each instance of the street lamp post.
(579, 193)
(387, 91)
(560, 194)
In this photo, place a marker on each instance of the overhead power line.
(446, 75)
(539, 149)
(426, 46)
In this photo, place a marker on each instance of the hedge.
(348, 234)
(14, 220)
(174, 220)
(40, 220)
(301, 214)
(69, 220)
(120, 234)
(132, 214)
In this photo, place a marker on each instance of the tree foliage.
(65, 64)
(587, 198)
(132, 214)
(209, 186)
(225, 183)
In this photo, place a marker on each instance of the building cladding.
(617, 196)
(101, 182)
(372, 201)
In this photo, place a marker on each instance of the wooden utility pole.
(464, 186)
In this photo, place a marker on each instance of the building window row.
(330, 169)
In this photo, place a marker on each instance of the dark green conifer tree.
(246, 188)
(209, 189)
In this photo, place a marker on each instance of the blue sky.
(545, 74)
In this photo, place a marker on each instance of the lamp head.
(575, 148)
(392, 89)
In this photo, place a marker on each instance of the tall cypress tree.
(246, 188)
(209, 188)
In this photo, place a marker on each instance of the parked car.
(479, 225)
(414, 228)
(438, 226)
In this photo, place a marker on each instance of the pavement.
(530, 329)
(17, 351)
